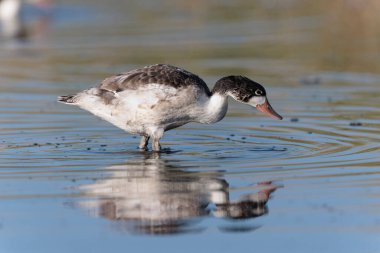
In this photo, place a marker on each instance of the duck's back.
(162, 74)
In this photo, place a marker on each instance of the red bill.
(267, 109)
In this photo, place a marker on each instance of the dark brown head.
(246, 91)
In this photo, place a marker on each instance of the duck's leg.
(156, 145)
(144, 142)
(157, 135)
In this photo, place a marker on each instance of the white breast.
(147, 109)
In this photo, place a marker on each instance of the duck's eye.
(259, 92)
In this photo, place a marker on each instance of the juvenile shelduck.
(156, 98)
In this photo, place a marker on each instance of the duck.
(151, 100)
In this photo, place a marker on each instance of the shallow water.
(309, 183)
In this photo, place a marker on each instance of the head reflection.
(151, 196)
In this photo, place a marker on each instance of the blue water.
(70, 182)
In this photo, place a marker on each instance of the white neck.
(214, 109)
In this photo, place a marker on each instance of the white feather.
(154, 108)
(257, 100)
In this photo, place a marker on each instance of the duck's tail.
(69, 99)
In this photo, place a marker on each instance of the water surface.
(310, 183)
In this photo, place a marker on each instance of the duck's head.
(246, 91)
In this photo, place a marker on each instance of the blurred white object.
(10, 18)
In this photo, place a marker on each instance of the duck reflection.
(155, 196)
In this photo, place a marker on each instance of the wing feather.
(153, 74)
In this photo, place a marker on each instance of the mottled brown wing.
(159, 74)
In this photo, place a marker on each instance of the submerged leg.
(156, 145)
(144, 142)
(156, 139)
